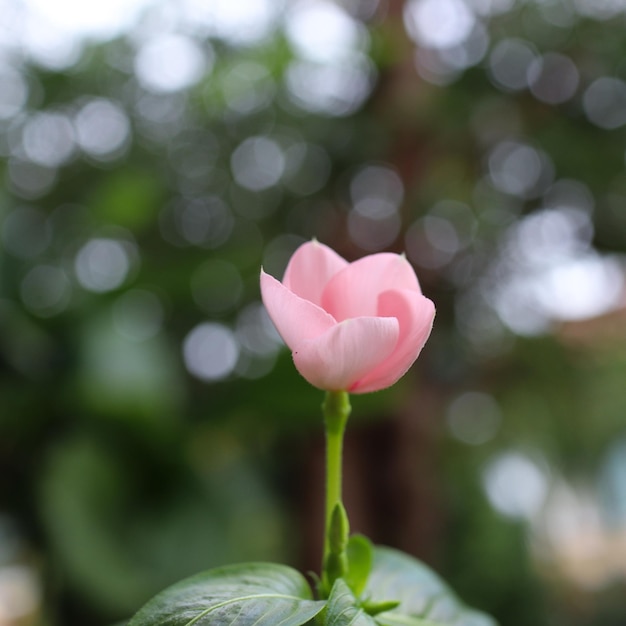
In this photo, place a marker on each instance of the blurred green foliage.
(150, 424)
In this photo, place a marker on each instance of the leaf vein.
(257, 596)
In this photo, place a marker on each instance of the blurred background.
(155, 154)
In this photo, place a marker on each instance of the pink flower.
(354, 327)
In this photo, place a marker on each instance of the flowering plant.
(352, 328)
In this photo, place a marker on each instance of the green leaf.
(360, 558)
(425, 600)
(263, 594)
(343, 608)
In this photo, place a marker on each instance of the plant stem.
(336, 409)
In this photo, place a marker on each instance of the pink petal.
(345, 353)
(310, 268)
(415, 315)
(296, 319)
(354, 291)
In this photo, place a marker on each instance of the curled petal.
(354, 291)
(345, 353)
(415, 315)
(310, 268)
(295, 319)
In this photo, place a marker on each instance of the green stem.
(336, 409)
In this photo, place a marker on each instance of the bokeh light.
(337, 89)
(49, 46)
(14, 92)
(171, 62)
(29, 180)
(242, 23)
(211, 351)
(604, 102)
(102, 129)
(376, 193)
(102, 264)
(438, 23)
(553, 78)
(516, 485)
(510, 62)
(248, 87)
(519, 169)
(473, 418)
(434, 240)
(258, 163)
(101, 21)
(321, 31)
(48, 139)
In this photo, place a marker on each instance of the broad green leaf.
(343, 608)
(263, 594)
(360, 558)
(397, 619)
(425, 600)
